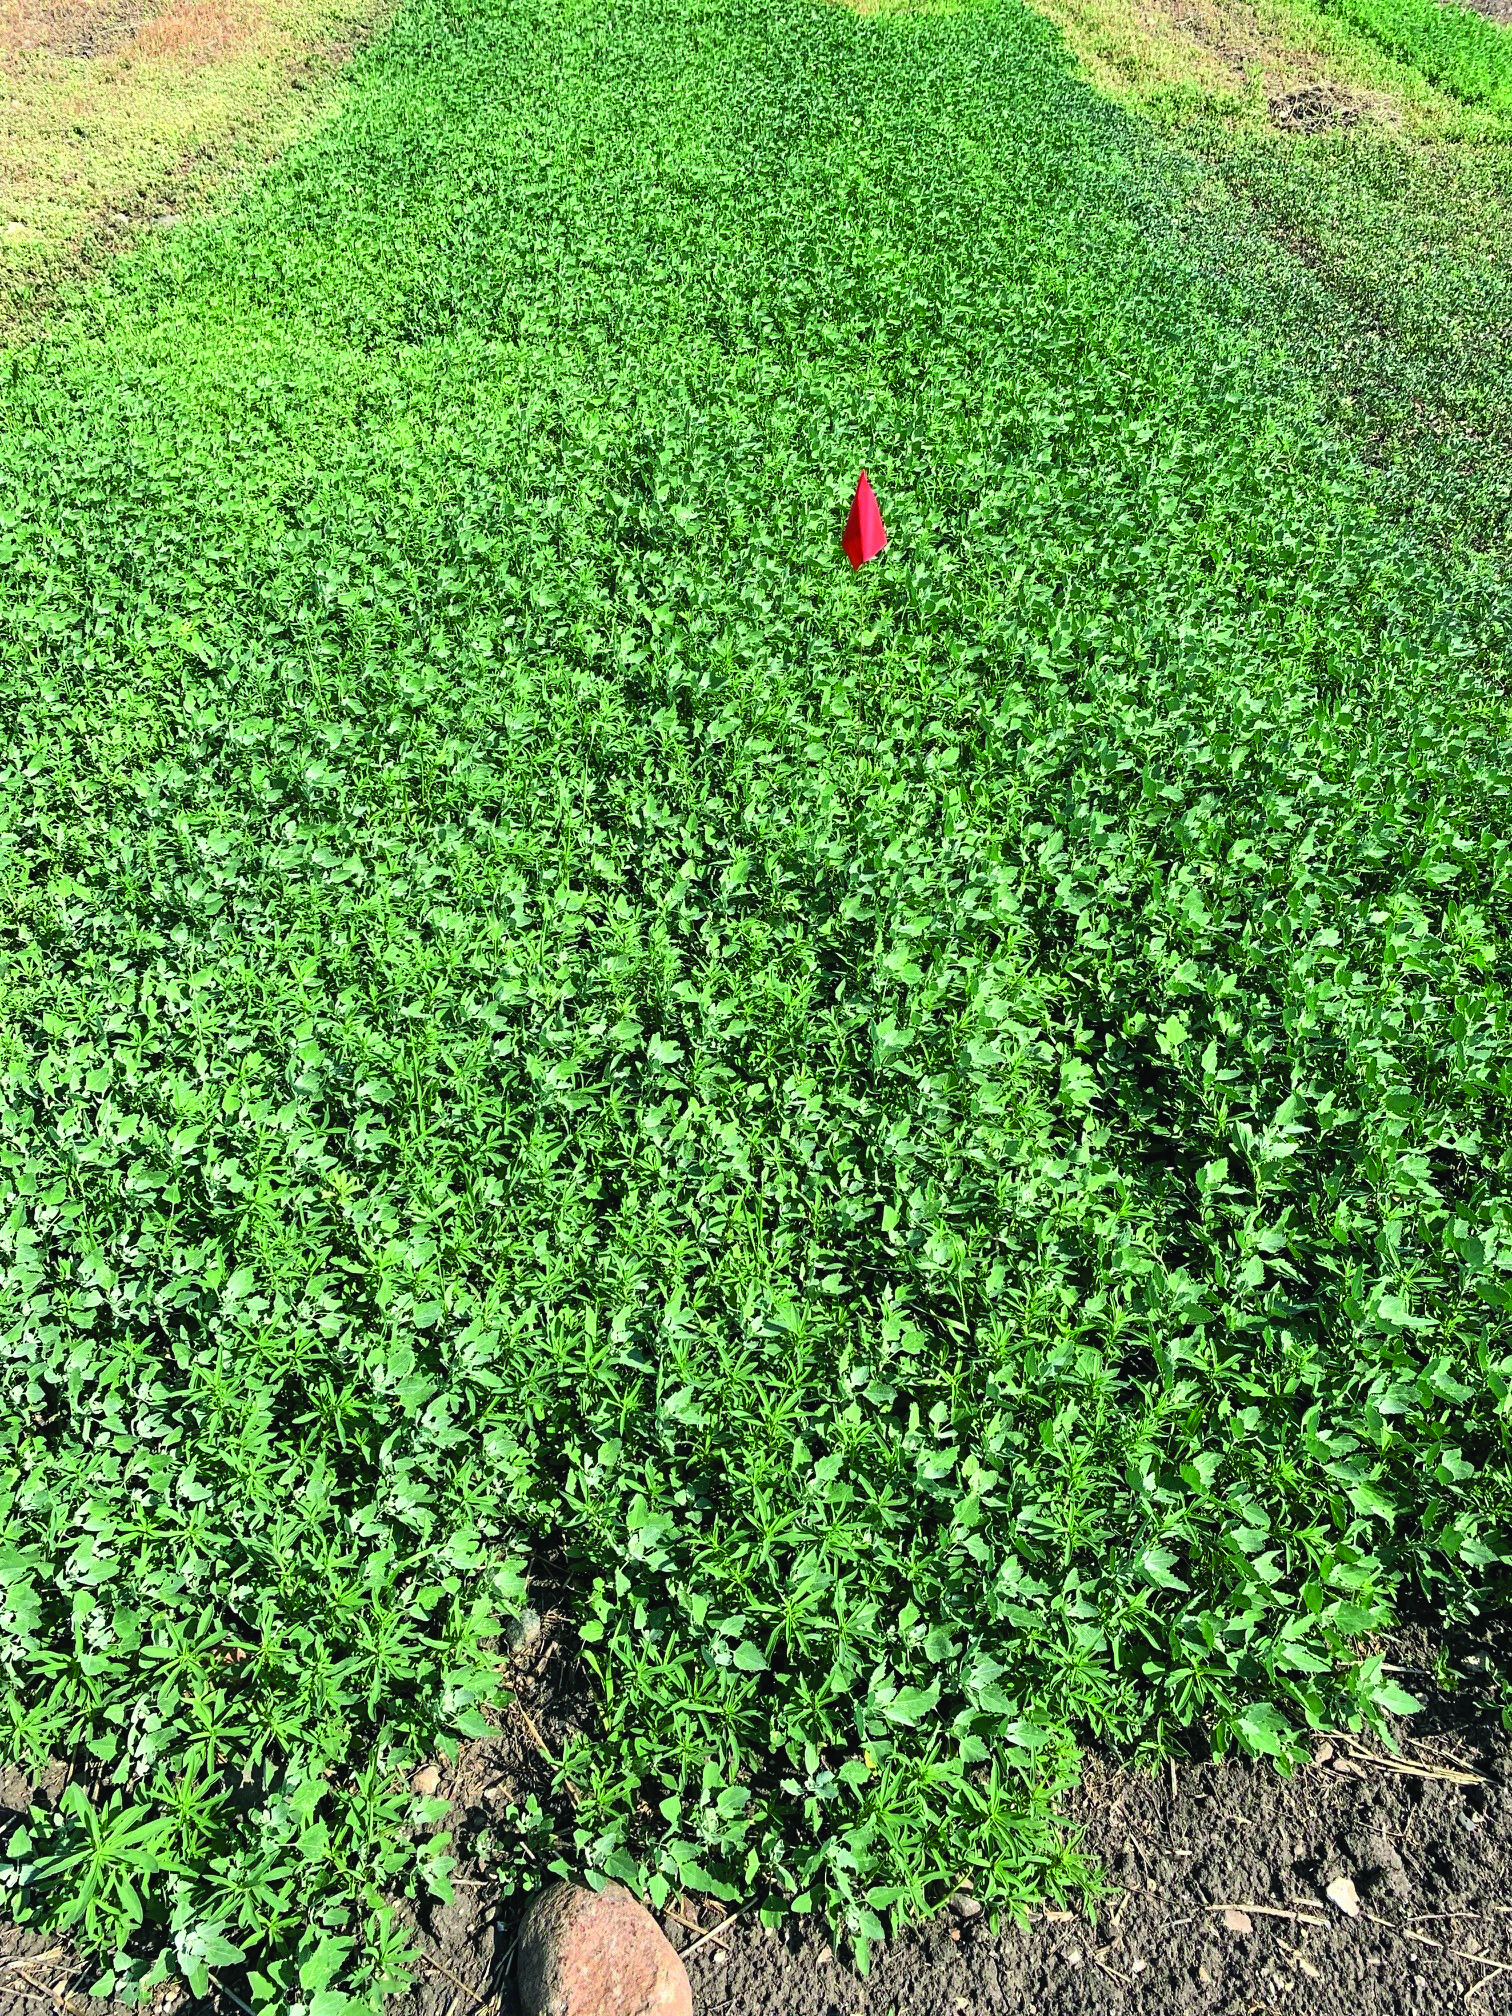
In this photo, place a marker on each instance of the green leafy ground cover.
(1401, 295)
(1392, 203)
(1462, 51)
(940, 1135)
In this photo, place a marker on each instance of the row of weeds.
(1462, 50)
(939, 1136)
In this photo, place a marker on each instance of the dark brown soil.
(1494, 10)
(1424, 1837)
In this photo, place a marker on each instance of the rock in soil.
(521, 1632)
(597, 1953)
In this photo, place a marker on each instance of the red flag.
(865, 535)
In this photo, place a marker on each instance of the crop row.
(1464, 52)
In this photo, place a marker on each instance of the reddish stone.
(597, 1953)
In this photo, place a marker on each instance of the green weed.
(941, 1135)
(1462, 51)
(1382, 221)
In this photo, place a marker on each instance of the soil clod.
(1341, 1893)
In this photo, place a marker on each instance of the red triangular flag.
(865, 535)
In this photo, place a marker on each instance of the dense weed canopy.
(1463, 52)
(939, 1135)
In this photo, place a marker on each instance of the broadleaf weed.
(939, 1136)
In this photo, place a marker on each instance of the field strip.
(759, 1201)
(121, 116)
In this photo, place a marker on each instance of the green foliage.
(941, 1133)
(1384, 229)
(1461, 51)
(1395, 307)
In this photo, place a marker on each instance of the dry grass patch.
(80, 29)
(1248, 62)
(194, 34)
(116, 114)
